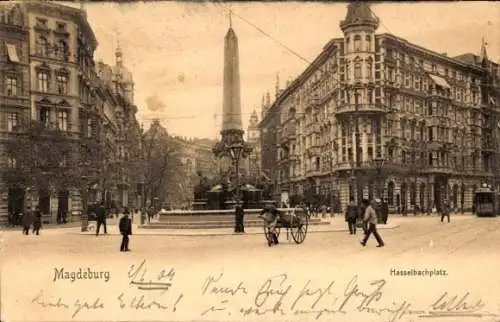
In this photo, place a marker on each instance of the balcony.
(439, 169)
(349, 109)
(488, 146)
(314, 150)
(315, 128)
(316, 172)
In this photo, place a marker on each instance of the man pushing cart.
(270, 215)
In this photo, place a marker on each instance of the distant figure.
(101, 218)
(37, 221)
(323, 211)
(239, 214)
(270, 214)
(26, 221)
(384, 210)
(351, 215)
(151, 213)
(125, 226)
(371, 219)
(445, 211)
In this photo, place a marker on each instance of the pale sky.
(175, 49)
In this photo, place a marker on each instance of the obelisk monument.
(231, 105)
(232, 146)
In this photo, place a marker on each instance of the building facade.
(253, 139)
(14, 91)
(48, 75)
(375, 115)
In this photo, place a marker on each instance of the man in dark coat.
(384, 209)
(37, 220)
(125, 226)
(239, 218)
(101, 219)
(26, 221)
(445, 211)
(351, 215)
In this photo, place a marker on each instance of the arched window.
(369, 65)
(422, 195)
(357, 43)
(347, 44)
(357, 68)
(390, 193)
(413, 193)
(347, 70)
(403, 156)
(41, 46)
(368, 43)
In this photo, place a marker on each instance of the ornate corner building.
(432, 119)
(48, 74)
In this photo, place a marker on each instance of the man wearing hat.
(371, 219)
(125, 226)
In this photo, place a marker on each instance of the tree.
(161, 163)
(47, 158)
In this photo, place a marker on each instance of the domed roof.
(359, 13)
(119, 70)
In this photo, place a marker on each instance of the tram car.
(486, 202)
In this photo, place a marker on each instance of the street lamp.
(379, 163)
(236, 150)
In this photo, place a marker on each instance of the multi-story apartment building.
(14, 91)
(48, 75)
(370, 97)
(120, 133)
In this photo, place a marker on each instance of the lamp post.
(379, 163)
(236, 151)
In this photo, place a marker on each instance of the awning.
(440, 81)
(13, 57)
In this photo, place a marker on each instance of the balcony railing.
(362, 108)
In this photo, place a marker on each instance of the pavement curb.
(204, 233)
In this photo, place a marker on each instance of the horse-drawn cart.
(296, 225)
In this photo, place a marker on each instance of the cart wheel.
(299, 230)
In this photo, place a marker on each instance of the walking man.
(26, 220)
(351, 216)
(37, 221)
(445, 211)
(371, 219)
(125, 226)
(101, 218)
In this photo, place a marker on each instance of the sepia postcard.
(249, 161)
